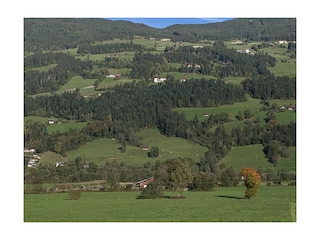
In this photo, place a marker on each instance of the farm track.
(73, 89)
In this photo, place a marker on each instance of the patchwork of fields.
(273, 204)
(102, 150)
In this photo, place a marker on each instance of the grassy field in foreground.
(273, 204)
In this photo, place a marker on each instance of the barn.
(143, 183)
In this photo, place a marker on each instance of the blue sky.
(165, 22)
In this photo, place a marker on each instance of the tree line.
(109, 48)
(271, 87)
(172, 174)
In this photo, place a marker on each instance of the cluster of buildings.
(247, 51)
(34, 158)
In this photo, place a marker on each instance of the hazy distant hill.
(69, 33)
(54, 34)
(256, 29)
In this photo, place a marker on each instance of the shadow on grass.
(167, 197)
(232, 197)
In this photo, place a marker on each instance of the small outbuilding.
(143, 183)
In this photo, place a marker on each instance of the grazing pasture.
(51, 158)
(77, 82)
(251, 104)
(252, 156)
(103, 150)
(63, 127)
(45, 68)
(111, 82)
(273, 204)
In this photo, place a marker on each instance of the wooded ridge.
(54, 34)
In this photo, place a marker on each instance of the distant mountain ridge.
(161, 23)
(53, 34)
(257, 29)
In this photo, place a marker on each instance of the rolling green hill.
(252, 156)
(102, 150)
(62, 126)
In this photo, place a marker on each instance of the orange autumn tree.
(251, 181)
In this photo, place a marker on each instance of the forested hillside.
(118, 79)
(256, 29)
(54, 34)
(59, 33)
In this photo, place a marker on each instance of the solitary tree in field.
(154, 152)
(152, 191)
(251, 181)
(179, 172)
(155, 188)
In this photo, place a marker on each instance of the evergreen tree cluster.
(143, 106)
(271, 87)
(36, 81)
(61, 33)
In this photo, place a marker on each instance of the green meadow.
(273, 204)
(45, 68)
(251, 104)
(122, 71)
(179, 75)
(111, 82)
(51, 158)
(77, 82)
(71, 51)
(284, 64)
(63, 127)
(103, 150)
(252, 156)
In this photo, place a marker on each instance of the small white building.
(159, 80)
(282, 42)
(29, 150)
(59, 164)
(51, 121)
(165, 39)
